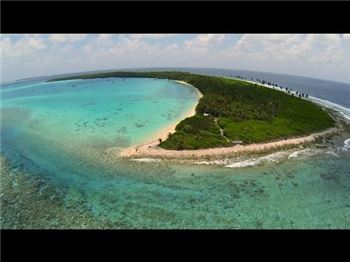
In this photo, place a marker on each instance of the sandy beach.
(151, 148)
(163, 133)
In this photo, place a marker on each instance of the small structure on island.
(205, 114)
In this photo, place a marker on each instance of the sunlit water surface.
(56, 171)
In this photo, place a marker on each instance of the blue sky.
(325, 56)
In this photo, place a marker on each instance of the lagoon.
(56, 173)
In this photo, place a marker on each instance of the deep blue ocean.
(336, 92)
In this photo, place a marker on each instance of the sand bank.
(152, 149)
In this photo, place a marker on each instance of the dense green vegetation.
(245, 112)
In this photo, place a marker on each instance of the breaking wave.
(272, 158)
(346, 146)
(332, 153)
(345, 112)
(146, 160)
(244, 163)
(304, 152)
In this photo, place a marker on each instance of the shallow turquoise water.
(113, 110)
(57, 173)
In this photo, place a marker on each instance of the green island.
(234, 112)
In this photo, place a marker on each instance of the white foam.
(346, 146)
(299, 152)
(146, 160)
(332, 153)
(244, 163)
(341, 109)
(293, 155)
(305, 152)
(344, 111)
(274, 158)
(213, 162)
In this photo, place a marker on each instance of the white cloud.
(104, 37)
(24, 46)
(326, 48)
(150, 36)
(87, 48)
(130, 48)
(208, 39)
(271, 46)
(103, 40)
(67, 48)
(311, 48)
(325, 56)
(346, 41)
(35, 43)
(201, 43)
(61, 38)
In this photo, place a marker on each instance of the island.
(231, 113)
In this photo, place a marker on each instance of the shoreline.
(152, 150)
(163, 133)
